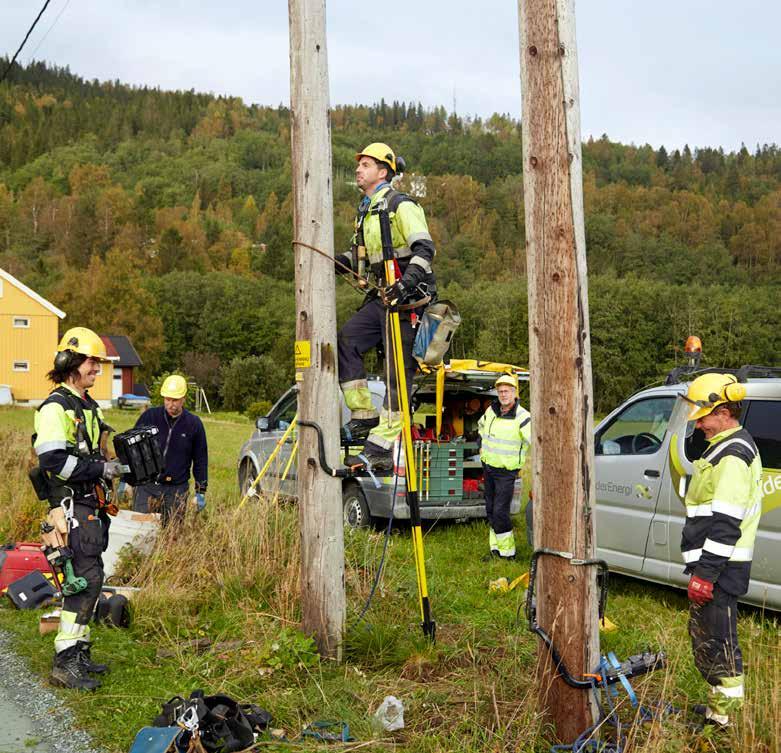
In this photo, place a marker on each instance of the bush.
(253, 379)
(260, 408)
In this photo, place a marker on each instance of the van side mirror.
(262, 423)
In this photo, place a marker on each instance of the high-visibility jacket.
(723, 507)
(413, 247)
(505, 438)
(67, 446)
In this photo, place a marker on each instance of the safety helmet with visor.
(708, 391)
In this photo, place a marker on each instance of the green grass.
(232, 576)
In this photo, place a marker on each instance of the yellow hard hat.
(84, 341)
(708, 391)
(174, 386)
(510, 379)
(381, 152)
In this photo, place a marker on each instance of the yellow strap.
(270, 460)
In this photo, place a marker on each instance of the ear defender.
(63, 361)
(735, 392)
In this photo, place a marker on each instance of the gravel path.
(32, 718)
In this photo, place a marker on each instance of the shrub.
(253, 379)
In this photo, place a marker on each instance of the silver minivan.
(643, 453)
(449, 471)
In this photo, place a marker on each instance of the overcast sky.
(702, 72)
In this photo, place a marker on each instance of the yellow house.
(28, 342)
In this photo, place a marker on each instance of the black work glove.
(394, 295)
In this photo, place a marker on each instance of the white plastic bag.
(390, 714)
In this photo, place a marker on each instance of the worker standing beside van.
(505, 438)
(723, 507)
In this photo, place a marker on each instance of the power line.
(43, 38)
(24, 41)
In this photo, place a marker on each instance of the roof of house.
(8, 277)
(120, 345)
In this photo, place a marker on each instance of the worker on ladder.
(414, 288)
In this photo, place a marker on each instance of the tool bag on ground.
(140, 450)
(437, 326)
(223, 724)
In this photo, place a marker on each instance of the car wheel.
(356, 510)
(248, 476)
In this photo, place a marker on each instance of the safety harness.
(48, 484)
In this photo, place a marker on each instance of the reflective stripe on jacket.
(56, 437)
(505, 438)
(723, 508)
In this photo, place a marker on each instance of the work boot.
(377, 458)
(358, 428)
(86, 660)
(69, 672)
(492, 555)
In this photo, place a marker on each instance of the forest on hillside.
(166, 216)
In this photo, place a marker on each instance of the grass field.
(233, 576)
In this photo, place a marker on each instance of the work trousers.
(88, 540)
(713, 628)
(170, 500)
(499, 484)
(366, 329)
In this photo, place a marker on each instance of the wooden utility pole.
(319, 495)
(559, 353)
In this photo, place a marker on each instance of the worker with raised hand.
(67, 441)
(182, 440)
(723, 507)
(414, 288)
(505, 438)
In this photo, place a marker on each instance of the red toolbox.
(20, 559)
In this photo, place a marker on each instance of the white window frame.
(21, 366)
(18, 322)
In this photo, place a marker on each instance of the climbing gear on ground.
(69, 671)
(609, 673)
(709, 391)
(379, 152)
(436, 328)
(221, 723)
(174, 387)
(358, 428)
(85, 657)
(318, 731)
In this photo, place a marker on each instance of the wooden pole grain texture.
(559, 354)
(319, 495)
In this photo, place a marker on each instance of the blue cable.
(582, 743)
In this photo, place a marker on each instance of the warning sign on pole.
(303, 354)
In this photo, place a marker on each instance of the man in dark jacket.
(183, 443)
